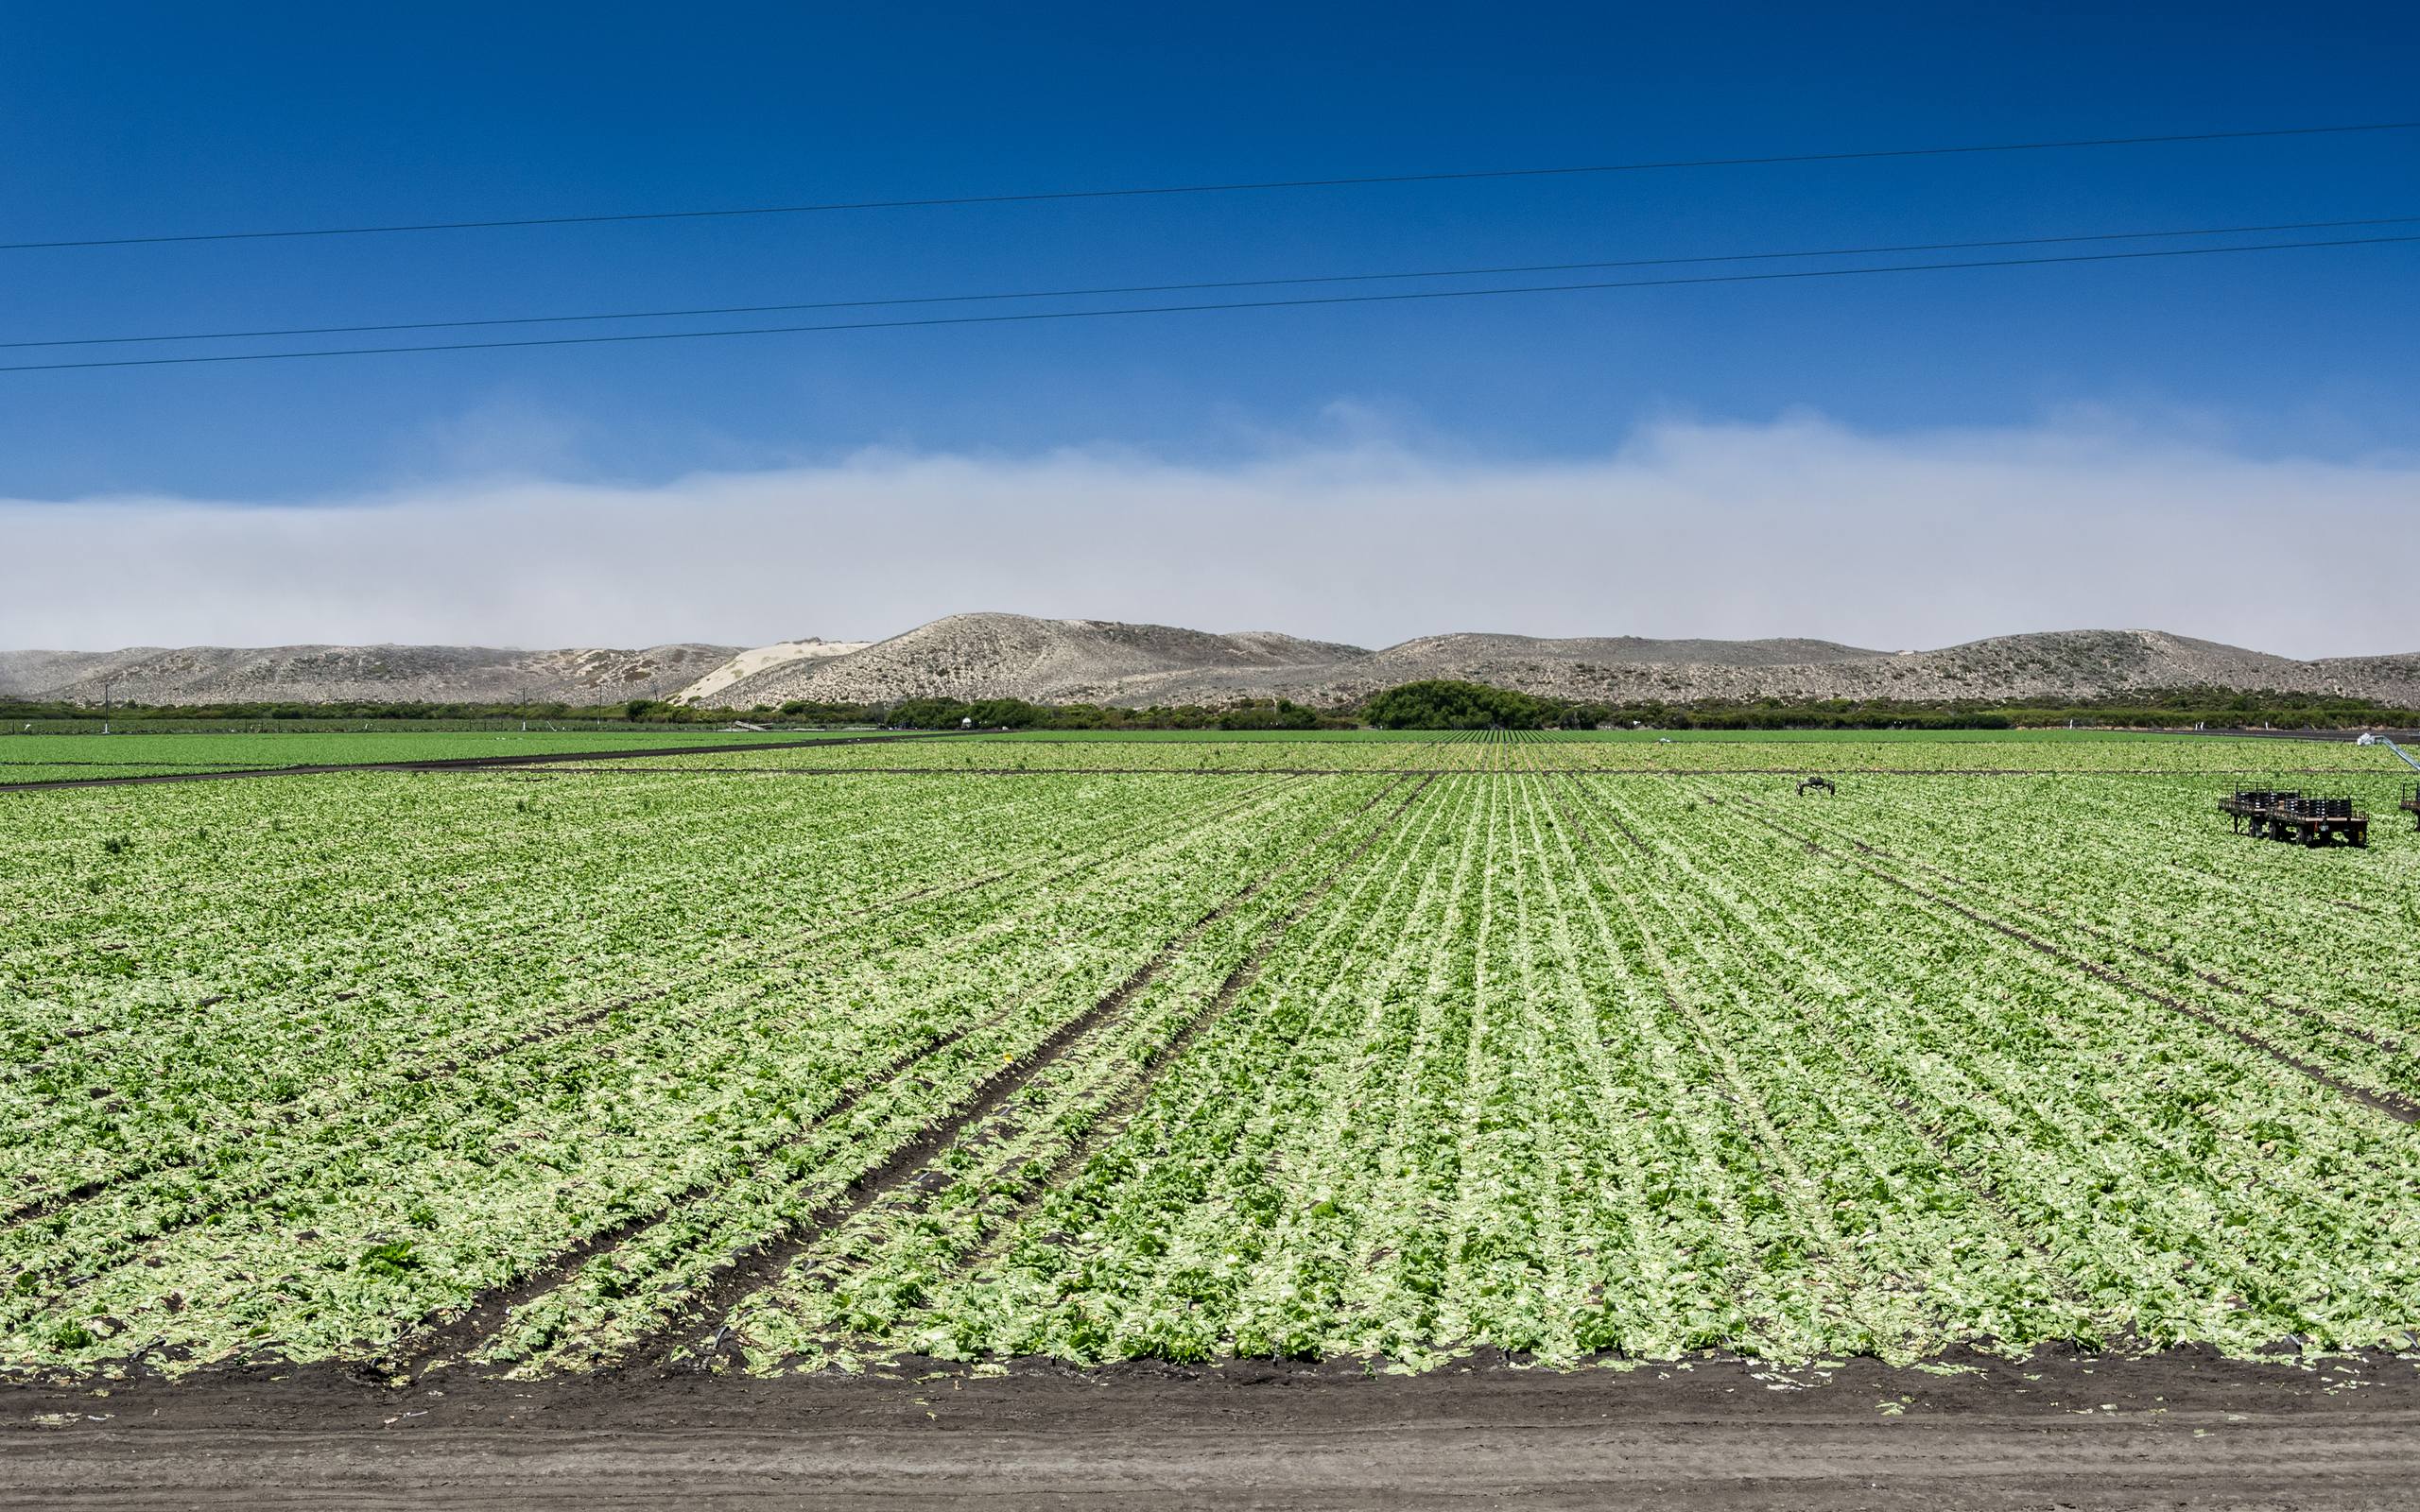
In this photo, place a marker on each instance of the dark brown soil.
(2179, 1429)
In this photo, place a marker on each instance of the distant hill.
(327, 674)
(1012, 655)
(980, 656)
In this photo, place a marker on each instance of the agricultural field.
(1714, 753)
(1397, 1051)
(41, 757)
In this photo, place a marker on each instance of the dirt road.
(2175, 1430)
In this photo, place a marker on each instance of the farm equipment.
(1818, 785)
(2303, 819)
(2408, 799)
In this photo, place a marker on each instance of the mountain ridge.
(991, 654)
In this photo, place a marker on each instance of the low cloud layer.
(1798, 527)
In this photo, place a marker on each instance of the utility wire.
(1305, 301)
(1226, 284)
(1246, 187)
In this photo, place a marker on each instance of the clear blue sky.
(122, 120)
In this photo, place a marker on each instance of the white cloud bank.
(1798, 527)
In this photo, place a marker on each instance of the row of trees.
(1448, 705)
(1439, 704)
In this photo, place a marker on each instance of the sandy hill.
(983, 656)
(712, 689)
(1012, 655)
(2048, 664)
(320, 674)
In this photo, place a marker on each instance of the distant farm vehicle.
(2303, 819)
(1818, 785)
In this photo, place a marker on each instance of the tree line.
(1433, 704)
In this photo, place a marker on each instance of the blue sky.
(125, 120)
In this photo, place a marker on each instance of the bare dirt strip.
(2174, 1430)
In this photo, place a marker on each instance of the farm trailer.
(2306, 819)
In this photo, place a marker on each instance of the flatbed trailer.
(2296, 817)
(2410, 802)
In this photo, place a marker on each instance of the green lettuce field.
(1384, 1049)
(51, 758)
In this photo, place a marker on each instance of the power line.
(1241, 187)
(1305, 301)
(1223, 283)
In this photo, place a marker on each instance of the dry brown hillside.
(315, 674)
(977, 656)
(982, 656)
(1147, 663)
(1012, 655)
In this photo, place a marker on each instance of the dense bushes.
(1432, 705)
(1445, 705)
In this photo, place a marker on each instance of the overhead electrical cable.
(1252, 187)
(1103, 291)
(1027, 316)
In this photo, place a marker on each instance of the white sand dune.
(750, 663)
